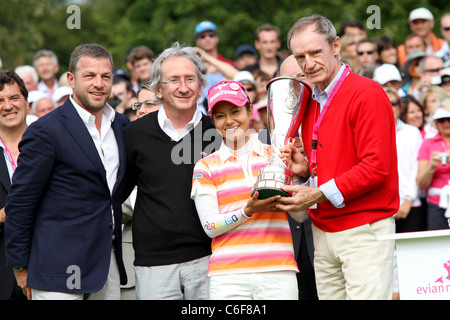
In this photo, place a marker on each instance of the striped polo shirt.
(260, 244)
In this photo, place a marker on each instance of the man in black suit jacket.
(13, 111)
(63, 215)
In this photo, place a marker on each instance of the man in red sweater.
(348, 133)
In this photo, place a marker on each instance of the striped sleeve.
(202, 182)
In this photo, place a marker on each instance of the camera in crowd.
(114, 102)
(444, 158)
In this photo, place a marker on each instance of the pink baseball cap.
(230, 91)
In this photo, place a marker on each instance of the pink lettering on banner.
(440, 285)
(431, 289)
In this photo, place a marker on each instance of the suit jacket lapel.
(77, 129)
(4, 174)
(118, 132)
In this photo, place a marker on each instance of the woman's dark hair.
(406, 100)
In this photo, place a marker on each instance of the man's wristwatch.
(18, 269)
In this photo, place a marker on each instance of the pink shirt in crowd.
(441, 176)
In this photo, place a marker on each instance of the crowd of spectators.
(415, 75)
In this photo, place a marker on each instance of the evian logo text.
(440, 285)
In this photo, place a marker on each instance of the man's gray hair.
(177, 50)
(27, 70)
(35, 103)
(322, 24)
(46, 53)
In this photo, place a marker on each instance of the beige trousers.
(353, 264)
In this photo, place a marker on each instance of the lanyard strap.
(9, 155)
(315, 135)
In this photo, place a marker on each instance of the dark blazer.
(6, 274)
(58, 214)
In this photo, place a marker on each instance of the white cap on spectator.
(440, 113)
(385, 73)
(35, 95)
(61, 92)
(244, 76)
(421, 13)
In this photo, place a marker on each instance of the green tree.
(29, 25)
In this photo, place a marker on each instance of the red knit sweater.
(357, 148)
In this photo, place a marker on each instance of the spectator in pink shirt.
(434, 168)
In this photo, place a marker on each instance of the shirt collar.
(88, 118)
(329, 88)
(437, 137)
(254, 145)
(164, 121)
(399, 124)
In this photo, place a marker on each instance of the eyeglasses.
(145, 104)
(177, 82)
(419, 21)
(360, 53)
(203, 36)
(442, 120)
(433, 70)
(446, 29)
(395, 102)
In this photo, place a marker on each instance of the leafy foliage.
(29, 25)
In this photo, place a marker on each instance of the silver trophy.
(288, 98)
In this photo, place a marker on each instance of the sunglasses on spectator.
(418, 21)
(446, 28)
(360, 53)
(433, 70)
(395, 102)
(203, 36)
(442, 120)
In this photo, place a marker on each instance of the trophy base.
(270, 192)
(270, 180)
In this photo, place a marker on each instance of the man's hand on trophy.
(303, 198)
(293, 155)
(255, 205)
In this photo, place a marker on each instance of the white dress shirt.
(105, 140)
(329, 188)
(42, 87)
(167, 126)
(408, 139)
(8, 163)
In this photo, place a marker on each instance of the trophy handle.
(298, 118)
(275, 174)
